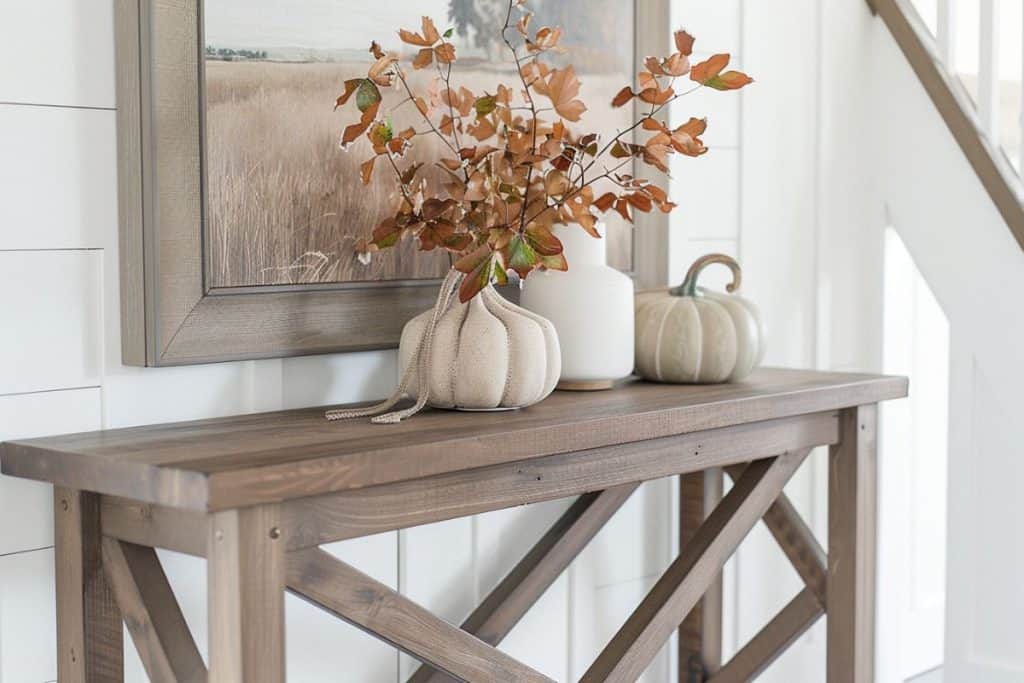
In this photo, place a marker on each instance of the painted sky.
(316, 24)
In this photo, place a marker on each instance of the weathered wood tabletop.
(258, 494)
(231, 462)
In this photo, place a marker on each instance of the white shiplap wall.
(60, 369)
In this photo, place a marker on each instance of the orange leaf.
(435, 234)
(475, 280)
(356, 129)
(651, 123)
(654, 66)
(523, 24)
(547, 38)
(556, 262)
(730, 80)
(684, 42)
(657, 155)
(640, 201)
(622, 206)
(457, 242)
(605, 202)
(709, 68)
(429, 36)
(469, 262)
(445, 53)
(556, 184)
(381, 72)
(542, 241)
(562, 87)
(423, 58)
(351, 85)
(367, 170)
(623, 96)
(676, 65)
(387, 233)
(694, 127)
(421, 105)
(482, 129)
(656, 96)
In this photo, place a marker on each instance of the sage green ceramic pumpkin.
(690, 335)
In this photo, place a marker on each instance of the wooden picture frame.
(169, 313)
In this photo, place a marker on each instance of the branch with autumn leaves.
(521, 174)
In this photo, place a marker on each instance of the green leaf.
(449, 33)
(542, 241)
(500, 274)
(367, 95)
(521, 256)
(476, 280)
(485, 105)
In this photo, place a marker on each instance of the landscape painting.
(284, 204)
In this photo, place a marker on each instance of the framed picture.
(240, 211)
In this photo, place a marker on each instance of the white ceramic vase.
(591, 307)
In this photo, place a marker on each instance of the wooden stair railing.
(955, 106)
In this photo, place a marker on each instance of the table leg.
(851, 553)
(246, 581)
(90, 646)
(700, 634)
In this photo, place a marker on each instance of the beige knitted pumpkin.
(486, 354)
(690, 335)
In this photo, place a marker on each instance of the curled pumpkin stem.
(689, 285)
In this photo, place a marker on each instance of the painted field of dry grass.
(285, 204)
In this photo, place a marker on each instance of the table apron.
(315, 520)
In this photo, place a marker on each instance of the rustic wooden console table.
(256, 495)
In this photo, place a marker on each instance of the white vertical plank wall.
(755, 196)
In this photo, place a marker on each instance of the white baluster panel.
(988, 73)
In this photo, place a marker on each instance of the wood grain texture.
(246, 580)
(156, 526)
(688, 577)
(316, 520)
(651, 230)
(329, 583)
(700, 634)
(361, 512)
(771, 641)
(129, 186)
(152, 615)
(89, 632)
(797, 541)
(502, 609)
(224, 463)
(852, 510)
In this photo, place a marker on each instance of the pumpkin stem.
(689, 286)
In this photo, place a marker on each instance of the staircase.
(943, 82)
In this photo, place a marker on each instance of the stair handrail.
(956, 107)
